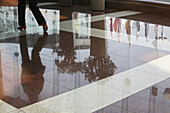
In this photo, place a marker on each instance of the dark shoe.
(22, 27)
(45, 27)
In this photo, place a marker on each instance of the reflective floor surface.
(87, 62)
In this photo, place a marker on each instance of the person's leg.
(21, 12)
(36, 12)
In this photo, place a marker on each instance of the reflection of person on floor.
(32, 70)
(117, 27)
(146, 30)
(156, 32)
(128, 30)
(162, 34)
(138, 28)
(111, 27)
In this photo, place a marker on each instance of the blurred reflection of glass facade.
(8, 19)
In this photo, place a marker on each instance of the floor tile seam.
(17, 111)
(60, 85)
(49, 56)
(48, 59)
(50, 70)
(125, 48)
(105, 108)
(8, 47)
(122, 90)
(10, 67)
(9, 83)
(16, 70)
(132, 57)
(20, 69)
(4, 51)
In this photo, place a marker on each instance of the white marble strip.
(102, 16)
(16, 111)
(107, 91)
(5, 108)
(122, 14)
(47, 3)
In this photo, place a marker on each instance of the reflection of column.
(156, 32)
(65, 3)
(1, 79)
(66, 45)
(55, 80)
(98, 45)
(111, 27)
(128, 30)
(77, 79)
(124, 107)
(162, 33)
(65, 13)
(16, 74)
(15, 18)
(138, 27)
(146, 30)
(152, 99)
(98, 5)
(54, 21)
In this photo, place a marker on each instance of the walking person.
(36, 12)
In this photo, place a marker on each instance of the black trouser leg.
(21, 12)
(36, 12)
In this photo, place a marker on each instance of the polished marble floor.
(87, 62)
